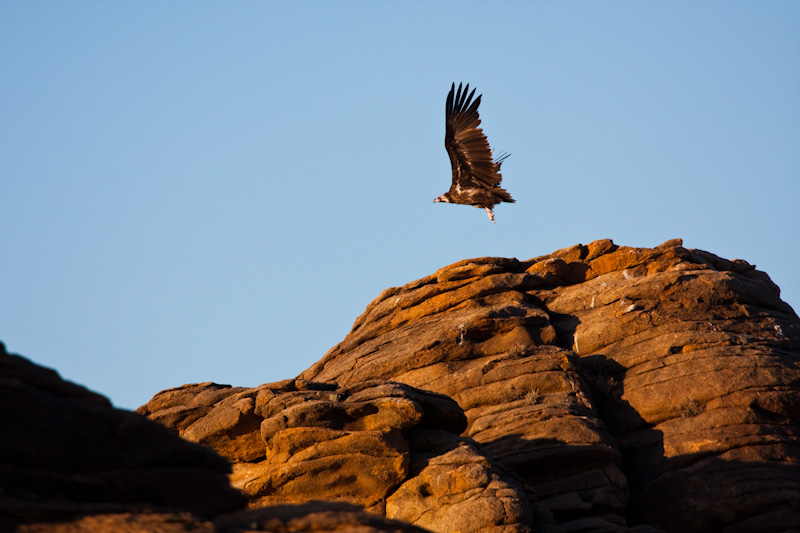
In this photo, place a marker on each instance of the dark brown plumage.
(476, 175)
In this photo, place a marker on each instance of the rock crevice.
(605, 375)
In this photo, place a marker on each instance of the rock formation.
(63, 441)
(71, 463)
(387, 447)
(654, 386)
(599, 388)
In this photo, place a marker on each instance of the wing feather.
(468, 148)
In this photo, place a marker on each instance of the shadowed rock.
(311, 517)
(66, 451)
(71, 463)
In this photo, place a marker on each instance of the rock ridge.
(71, 463)
(599, 388)
(606, 376)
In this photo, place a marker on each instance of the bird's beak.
(436, 200)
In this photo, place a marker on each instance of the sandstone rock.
(312, 517)
(141, 521)
(71, 463)
(458, 490)
(627, 385)
(307, 462)
(69, 448)
(217, 416)
(488, 344)
(694, 362)
(595, 389)
(386, 447)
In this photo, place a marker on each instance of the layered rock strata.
(387, 447)
(596, 389)
(626, 385)
(71, 463)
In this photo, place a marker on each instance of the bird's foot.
(491, 215)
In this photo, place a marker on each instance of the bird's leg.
(491, 215)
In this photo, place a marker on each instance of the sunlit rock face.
(622, 387)
(599, 388)
(626, 385)
(387, 447)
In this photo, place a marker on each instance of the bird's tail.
(502, 195)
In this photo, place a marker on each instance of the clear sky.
(214, 191)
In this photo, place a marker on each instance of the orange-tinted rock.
(129, 522)
(596, 389)
(454, 487)
(490, 345)
(311, 517)
(373, 443)
(624, 384)
(694, 360)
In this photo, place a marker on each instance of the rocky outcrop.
(596, 389)
(65, 444)
(695, 361)
(389, 448)
(71, 463)
(626, 385)
(311, 517)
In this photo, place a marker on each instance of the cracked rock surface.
(387, 447)
(600, 388)
(626, 385)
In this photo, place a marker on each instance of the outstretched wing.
(467, 146)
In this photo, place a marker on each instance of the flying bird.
(476, 174)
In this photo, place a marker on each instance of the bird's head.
(443, 198)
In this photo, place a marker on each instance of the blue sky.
(214, 191)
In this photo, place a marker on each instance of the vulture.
(476, 173)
